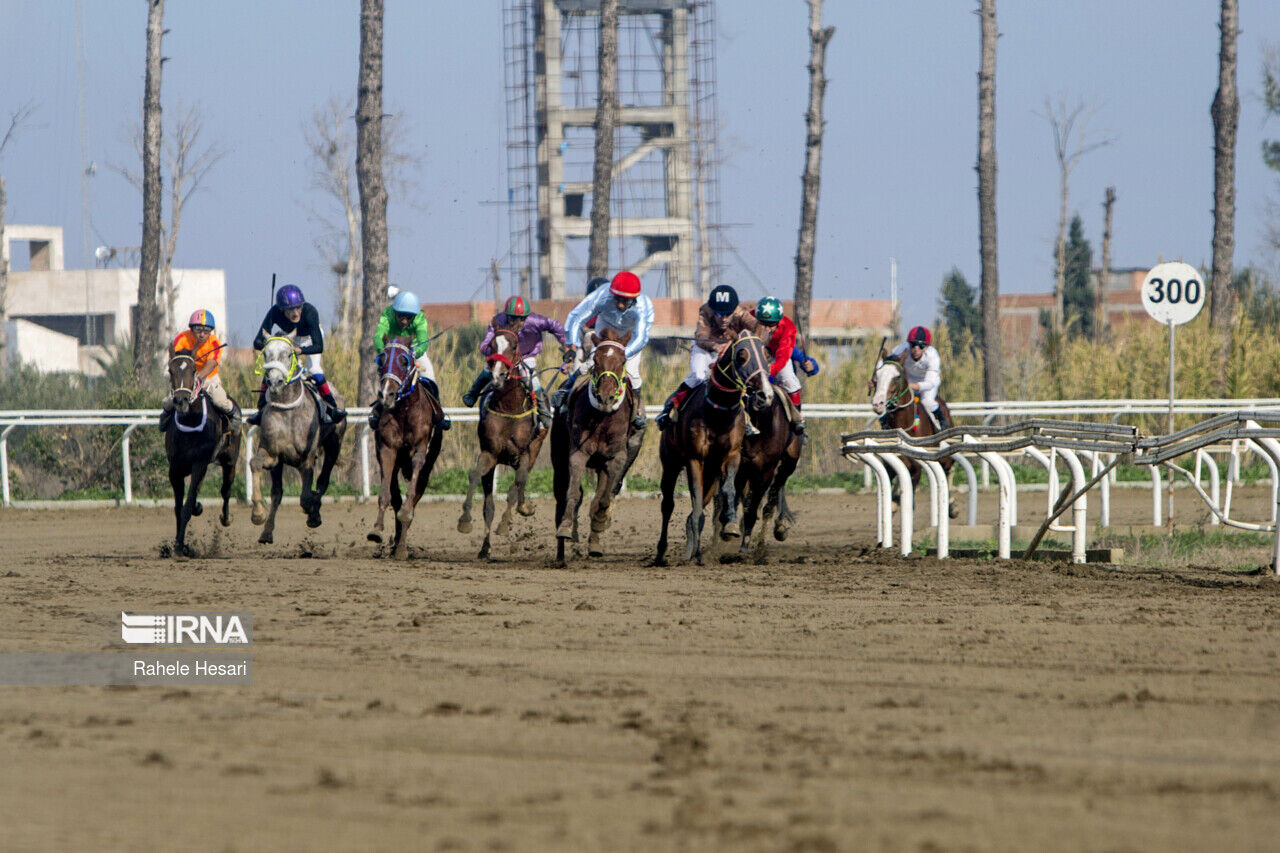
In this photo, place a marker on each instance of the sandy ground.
(830, 698)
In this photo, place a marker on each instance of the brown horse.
(593, 430)
(769, 458)
(407, 438)
(509, 435)
(196, 437)
(705, 442)
(899, 408)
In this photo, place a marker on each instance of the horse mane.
(189, 353)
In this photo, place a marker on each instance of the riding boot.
(797, 425)
(434, 390)
(751, 432)
(256, 418)
(234, 417)
(544, 409)
(670, 409)
(942, 422)
(641, 420)
(561, 393)
(472, 396)
(334, 413)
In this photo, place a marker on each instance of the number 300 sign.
(1173, 293)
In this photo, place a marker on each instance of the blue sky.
(900, 146)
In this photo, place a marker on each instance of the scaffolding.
(665, 201)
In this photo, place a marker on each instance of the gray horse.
(291, 434)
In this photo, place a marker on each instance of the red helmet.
(919, 335)
(625, 284)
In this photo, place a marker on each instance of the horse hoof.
(659, 563)
(375, 536)
(730, 531)
(526, 509)
(258, 517)
(198, 509)
(595, 551)
(401, 553)
(313, 520)
(224, 520)
(952, 512)
(560, 563)
(265, 539)
(780, 533)
(464, 526)
(484, 553)
(503, 527)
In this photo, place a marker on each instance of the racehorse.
(509, 435)
(408, 439)
(769, 458)
(899, 408)
(593, 430)
(705, 441)
(193, 440)
(291, 433)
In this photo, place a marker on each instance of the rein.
(406, 384)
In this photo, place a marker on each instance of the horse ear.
(625, 339)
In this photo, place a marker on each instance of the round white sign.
(1174, 292)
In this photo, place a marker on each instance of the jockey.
(294, 317)
(207, 352)
(529, 329)
(720, 321)
(622, 307)
(404, 317)
(923, 368)
(779, 335)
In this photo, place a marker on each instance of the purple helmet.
(289, 296)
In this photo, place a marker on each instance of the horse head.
(183, 380)
(888, 384)
(751, 369)
(279, 363)
(396, 367)
(506, 353)
(608, 368)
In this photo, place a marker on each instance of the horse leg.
(697, 517)
(404, 515)
(670, 474)
(573, 499)
(729, 529)
(178, 481)
(778, 498)
(483, 463)
(606, 487)
(486, 483)
(396, 499)
(260, 461)
(522, 480)
(952, 512)
(192, 507)
(514, 496)
(751, 498)
(228, 477)
(277, 494)
(386, 476)
(310, 499)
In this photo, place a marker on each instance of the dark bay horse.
(509, 435)
(197, 436)
(291, 433)
(769, 458)
(593, 431)
(705, 442)
(407, 437)
(899, 408)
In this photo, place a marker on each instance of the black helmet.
(595, 283)
(723, 299)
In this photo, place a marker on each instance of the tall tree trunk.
(810, 181)
(606, 118)
(353, 316)
(1060, 254)
(1102, 323)
(145, 345)
(1226, 118)
(991, 383)
(4, 284)
(373, 193)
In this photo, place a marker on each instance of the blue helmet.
(289, 296)
(406, 303)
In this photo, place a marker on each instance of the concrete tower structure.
(665, 201)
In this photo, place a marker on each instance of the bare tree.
(17, 119)
(1102, 325)
(184, 166)
(991, 382)
(330, 141)
(144, 322)
(810, 181)
(606, 118)
(1071, 141)
(373, 193)
(1226, 118)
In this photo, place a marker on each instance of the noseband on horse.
(613, 399)
(396, 363)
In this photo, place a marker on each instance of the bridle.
(398, 355)
(196, 384)
(904, 397)
(731, 379)
(291, 371)
(614, 399)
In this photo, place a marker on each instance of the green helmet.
(516, 307)
(769, 310)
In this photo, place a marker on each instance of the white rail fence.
(1100, 446)
(1112, 410)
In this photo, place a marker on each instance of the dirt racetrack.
(832, 698)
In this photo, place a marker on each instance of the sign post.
(1172, 294)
